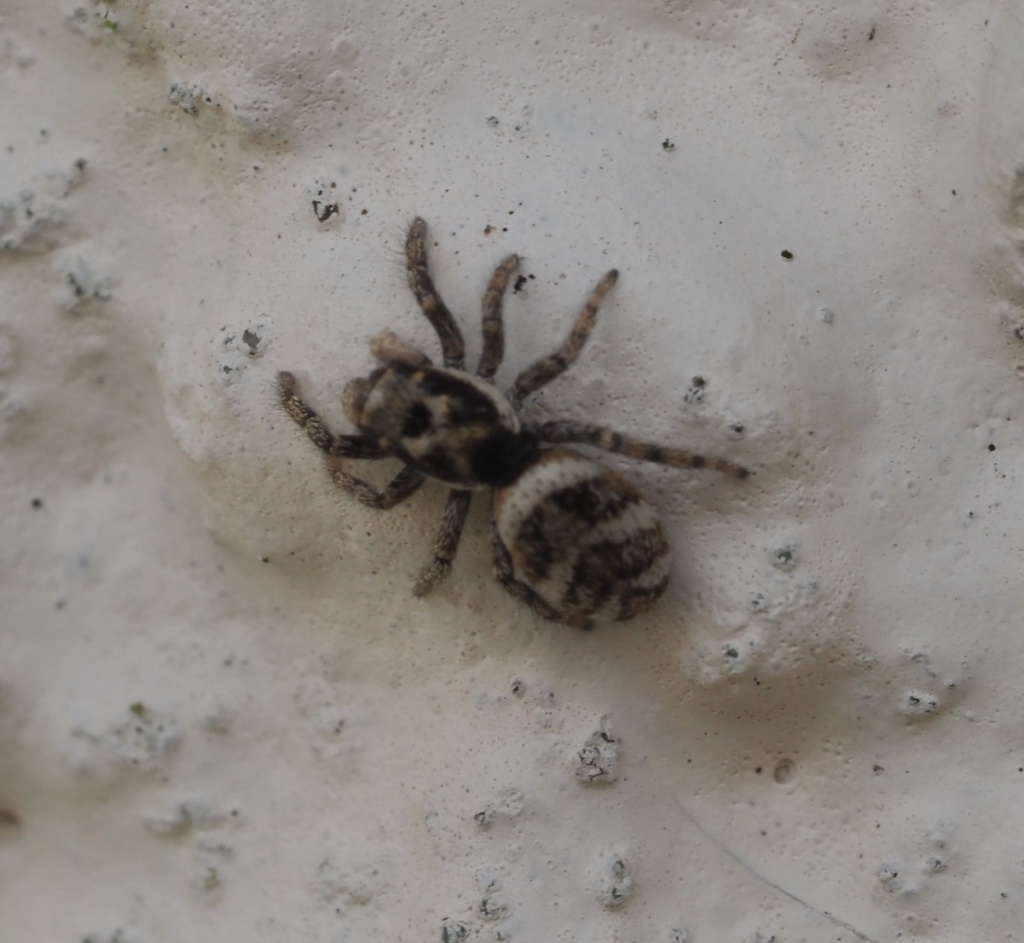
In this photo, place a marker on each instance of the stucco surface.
(224, 716)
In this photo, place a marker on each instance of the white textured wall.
(223, 716)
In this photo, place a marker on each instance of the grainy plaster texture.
(223, 715)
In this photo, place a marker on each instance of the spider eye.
(417, 422)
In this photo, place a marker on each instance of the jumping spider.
(572, 539)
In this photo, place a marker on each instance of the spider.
(572, 539)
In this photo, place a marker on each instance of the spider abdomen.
(583, 538)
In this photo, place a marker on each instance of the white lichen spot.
(34, 220)
(145, 737)
(345, 887)
(934, 864)
(456, 931)
(492, 905)
(189, 97)
(614, 881)
(84, 284)
(784, 557)
(172, 823)
(255, 339)
(598, 760)
(209, 881)
(1011, 319)
(141, 741)
(508, 805)
(236, 348)
(895, 879)
(201, 814)
(323, 197)
(916, 702)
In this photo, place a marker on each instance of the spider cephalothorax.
(574, 540)
(448, 424)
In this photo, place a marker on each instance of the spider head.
(449, 424)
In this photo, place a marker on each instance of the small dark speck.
(37, 503)
(991, 447)
(696, 392)
(731, 652)
(953, 192)
(492, 122)
(517, 287)
(264, 559)
(363, 212)
(871, 35)
(738, 428)
(786, 254)
(668, 145)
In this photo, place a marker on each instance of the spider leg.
(402, 486)
(566, 431)
(349, 446)
(547, 368)
(447, 541)
(338, 447)
(452, 345)
(491, 325)
(504, 573)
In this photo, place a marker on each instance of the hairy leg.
(402, 486)
(446, 543)
(547, 368)
(338, 447)
(504, 573)
(491, 325)
(568, 431)
(348, 446)
(452, 345)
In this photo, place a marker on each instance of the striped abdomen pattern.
(583, 537)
